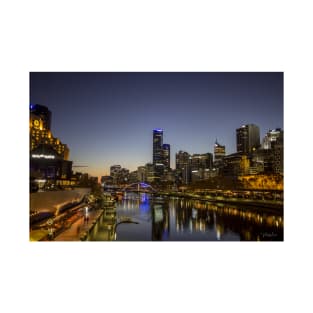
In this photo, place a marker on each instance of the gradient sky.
(108, 118)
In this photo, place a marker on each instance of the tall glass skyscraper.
(157, 146)
(166, 155)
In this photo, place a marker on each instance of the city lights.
(43, 156)
(226, 187)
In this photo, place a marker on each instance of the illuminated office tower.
(182, 159)
(272, 137)
(273, 144)
(166, 155)
(219, 151)
(198, 164)
(248, 138)
(157, 154)
(183, 166)
(201, 161)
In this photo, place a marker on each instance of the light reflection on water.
(176, 219)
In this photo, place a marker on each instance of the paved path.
(78, 228)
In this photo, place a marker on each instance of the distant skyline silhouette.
(108, 118)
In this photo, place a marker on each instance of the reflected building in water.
(176, 219)
(160, 220)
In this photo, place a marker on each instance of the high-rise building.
(248, 138)
(272, 136)
(150, 173)
(119, 174)
(270, 158)
(198, 164)
(201, 161)
(183, 167)
(182, 159)
(278, 158)
(133, 177)
(166, 156)
(235, 164)
(157, 146)
(219, 151)
(160, 155)
(142, 173)
(274, 141)
(114, 169)
(48, 156)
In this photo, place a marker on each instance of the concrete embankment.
(106, 220)
(261, 204)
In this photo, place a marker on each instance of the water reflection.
(176, 219)
(160, 219)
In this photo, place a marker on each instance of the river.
(174, 219)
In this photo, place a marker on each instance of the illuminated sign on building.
(43, 156)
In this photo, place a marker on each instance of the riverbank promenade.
(80, 227)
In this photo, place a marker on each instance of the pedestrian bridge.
(139, 187)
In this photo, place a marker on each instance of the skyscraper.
(166, 155)
(272, 137)
(201, 161)
(183, 166)
(248, 138)
(157, 146)
(219, 151)
(114, 169)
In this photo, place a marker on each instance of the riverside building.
(248, 138)
(49, 162)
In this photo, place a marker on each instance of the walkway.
(79, 227)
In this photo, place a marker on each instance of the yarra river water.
(175, 219)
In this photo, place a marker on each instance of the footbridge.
(139, 187)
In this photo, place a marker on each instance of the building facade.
(182, 167)
(219, 152)
(198, 164)
(269, 159)
(235, 164)
(166, 149)
(120, 175)
(157, 153)
(42, 113)
(141, 174)
(161, 155)
(40, 135)
(201, 161)
(48, 155)
(248, 138)
(274, 142)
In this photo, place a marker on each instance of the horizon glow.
(107, 118)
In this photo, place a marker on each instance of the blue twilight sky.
(108, 118)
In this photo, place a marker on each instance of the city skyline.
(108, 118)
